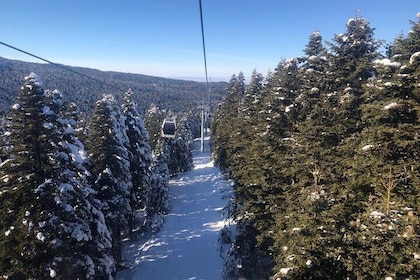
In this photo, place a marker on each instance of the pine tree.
(386, 164)
(20, 176)
(223, 130)
(352, 53)
(140, 154)
(314, 69)
(108, 148)
(158, 203)
(324, 157)
(180, 148)
(87, 254)
(153, 120)
(54, 225)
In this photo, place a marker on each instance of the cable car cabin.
(168, 128)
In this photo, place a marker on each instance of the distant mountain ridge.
(171, 94)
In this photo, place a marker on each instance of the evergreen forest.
(324, 153)
(72, 191)
(84, 86)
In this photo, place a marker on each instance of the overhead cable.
(204, 51)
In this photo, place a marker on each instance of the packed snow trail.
(186, 247)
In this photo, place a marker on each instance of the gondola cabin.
(168, 128)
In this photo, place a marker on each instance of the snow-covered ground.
(187, 245)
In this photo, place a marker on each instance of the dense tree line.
(324, 153)
(70, 193)
(177, 95)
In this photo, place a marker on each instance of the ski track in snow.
(186, 247)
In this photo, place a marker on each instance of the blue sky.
(163, 37)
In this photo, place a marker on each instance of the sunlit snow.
(187, 245)
(414, 57)
(387, 62)
(367, 147)
(391, 105)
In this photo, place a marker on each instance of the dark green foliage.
(140, 156)
(180, 156)
(51, 224)
(58, 219)
(25, 168)
(153, 120)
(158, 203)
(170, 157)
(179, 148)
(108, 146)
(324, 155)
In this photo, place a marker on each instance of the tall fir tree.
(21, 175)
(153, 120)
(158, 203)
(180, 148)
(140, 154)
(108, 148)
(56, 228)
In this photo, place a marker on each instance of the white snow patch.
(391, 105)
(65, 187)
(414, 57)
(312, 57)
(289, 108)
(57, 200)
(314, 196)
(367, 147)
(48, 125)
(285, 270)
(348, 89)
(377, 214)
(387, 62)
(204, 165)
(40, 236)
(214, 226)
(46, 110)
(34, 77)
(9, 231)
(68, 208)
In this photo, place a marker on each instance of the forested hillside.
(169, 94)
(325, 156)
